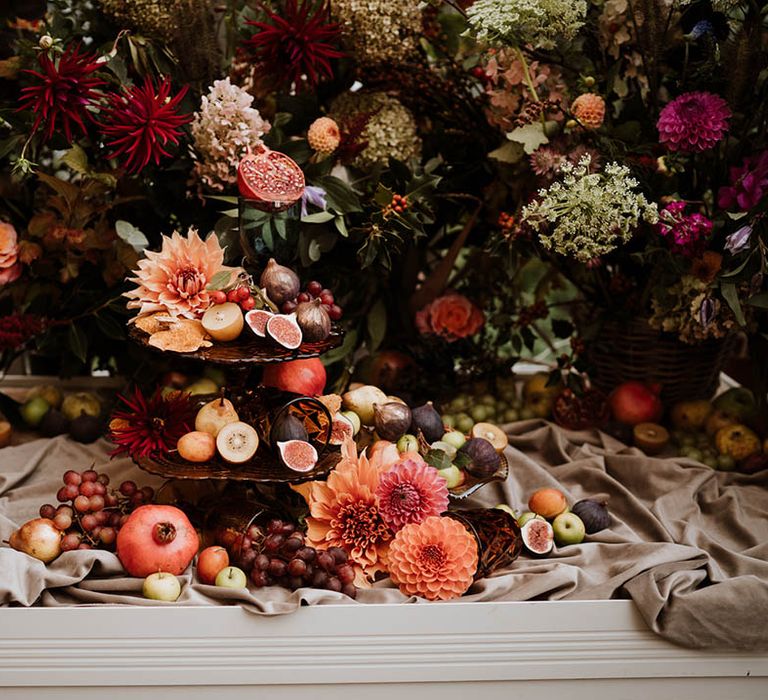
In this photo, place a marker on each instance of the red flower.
(62, 91)
(146, 427)
(141, 120)
(17, 329)
(298, 43)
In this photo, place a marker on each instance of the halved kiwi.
(237, 442)
(495, 435)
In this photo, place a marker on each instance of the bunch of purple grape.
(90, 515)
(276, 554)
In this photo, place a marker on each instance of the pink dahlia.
(749, 183)
(175, 279)
(686, 234)
(410, 492)
(693, 122)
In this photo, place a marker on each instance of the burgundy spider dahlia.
(62, 91)
(297, 42)
(140, 121)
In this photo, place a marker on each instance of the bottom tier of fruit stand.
(568, 649)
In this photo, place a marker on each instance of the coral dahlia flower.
(435, 559)
(344, 511)
(174, 280)
(410, 492)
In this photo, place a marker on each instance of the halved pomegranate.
(271, 180)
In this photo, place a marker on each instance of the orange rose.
(451, 316)
(10, 268)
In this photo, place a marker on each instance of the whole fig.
(314, 321)
(483, 460)
(391, 419)
(428, 420)
(594, 515)
(282, 283)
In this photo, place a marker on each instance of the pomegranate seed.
(334, 312)
(233, 296)
(243, 293)
(248, 303)
(218, 297)
(315, 288)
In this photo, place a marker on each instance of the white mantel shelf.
(577, 649)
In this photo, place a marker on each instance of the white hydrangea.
(223, 130)
(585, 215)
(541, 23)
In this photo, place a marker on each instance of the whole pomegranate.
(634, 402)
(305, 377)
(157, 538)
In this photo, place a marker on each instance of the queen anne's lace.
(585, 215)
(223, 130)
(541, 23)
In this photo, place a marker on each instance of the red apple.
(210, 562)
(634, 402)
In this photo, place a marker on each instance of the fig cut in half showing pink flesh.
(284, 329)
(271, 180)
(298, 455)
(257, 321)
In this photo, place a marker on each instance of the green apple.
(449, 420)
(51, 393)
(202, 386)
(453, 476)
(34, 410)
(568, 529)
(353, 418)
(161, 586)
(231, 577)
(408, 443)
(507, 509)
(455, 438)
(726, 463)
(464, 423)
(739, 403)
(74, 405)
(525, 517)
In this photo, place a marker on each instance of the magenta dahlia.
(693, 122)
(686, 234)
(62, 91)
(297, 43)
(410, 492)
(140, 121)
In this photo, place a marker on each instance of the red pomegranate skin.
(304, 377)
(634, 402)
(140, 553)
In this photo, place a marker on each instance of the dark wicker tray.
(248, 349)
(263, 468)
(472, 484)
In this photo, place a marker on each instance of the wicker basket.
(634, 350)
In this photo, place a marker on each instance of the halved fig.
(298, 455)
(342, 429)
(284, 329)
(538, 536)
(257, 321)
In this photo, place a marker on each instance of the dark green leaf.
(341, 226)
(319, 217)
(562, 328)
(377, 325)
(78, 342)
(438, 459)
(731, 295)
(110, 327)
(339, 195)
(348, 346)
(759, 300)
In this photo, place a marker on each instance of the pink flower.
(749, 183)
(451, 316)
(686, 234)
(693, 122)
(10, 267)
(410, 492)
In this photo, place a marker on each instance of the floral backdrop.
(485, 180)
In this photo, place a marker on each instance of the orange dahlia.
(435, 559)
(324, 135)
(589, 109)
(174, 280)
(344, 511)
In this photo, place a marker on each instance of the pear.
(212, 417)
(362, 400)
(39, 538)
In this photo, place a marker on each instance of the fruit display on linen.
(90, 515)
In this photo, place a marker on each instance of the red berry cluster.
(313, 290)
(277, 555)
(528, 314)
(239, 295)
(90, 514)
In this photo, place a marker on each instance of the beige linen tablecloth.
(688, 544)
